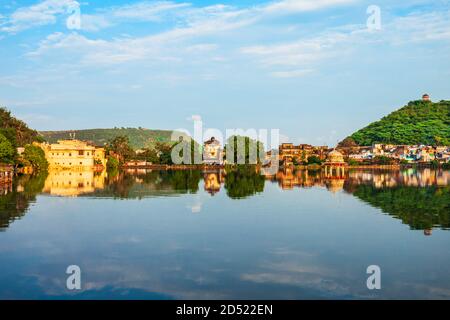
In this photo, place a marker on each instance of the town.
(35, 153)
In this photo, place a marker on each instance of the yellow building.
(73, 154)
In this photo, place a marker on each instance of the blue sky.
(311, 68)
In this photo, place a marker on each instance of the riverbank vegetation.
(16, 134)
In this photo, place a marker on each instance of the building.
(73, 154)
(212, 152)
(335, 164)
(288, 152)
(335, 158)
(137, 163)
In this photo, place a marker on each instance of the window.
(81, 153)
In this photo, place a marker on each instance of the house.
(212, 152)
(73, 154)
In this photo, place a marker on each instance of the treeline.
(15, 133)
(120, 151)
(419, 122)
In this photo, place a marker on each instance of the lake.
(226, 235)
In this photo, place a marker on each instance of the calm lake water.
(234, 235)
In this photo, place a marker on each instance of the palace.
(73, 154)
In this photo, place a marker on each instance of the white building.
(212, 152)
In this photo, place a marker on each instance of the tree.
(7, 150)
(314, 160)
(16, 130)
(34, 156)
(382, 160)
(120, 146)
(149, 155)
(235, 143)
(164, 151)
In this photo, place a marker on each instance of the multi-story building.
(73, 154)
(288, 152)
(212, 152)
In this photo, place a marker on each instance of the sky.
(316, 69)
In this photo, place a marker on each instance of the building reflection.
(213, 181)
(72, 183)
(336, 180)
(289, 179)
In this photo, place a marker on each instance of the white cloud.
(289, 6)
(291, 73)
(39, 14)
(418, 27)
(146, 10)
(309, 52)
(182, 13)
(303, 53)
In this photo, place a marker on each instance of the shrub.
(34, 156)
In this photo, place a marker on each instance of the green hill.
(139, 137)
(419, 122)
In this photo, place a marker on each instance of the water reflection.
(419, 198)
(296, 234)
(17, 198)
(73, 183)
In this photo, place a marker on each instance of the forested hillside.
(419, 122)
(138, 137)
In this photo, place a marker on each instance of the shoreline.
(219, 167)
